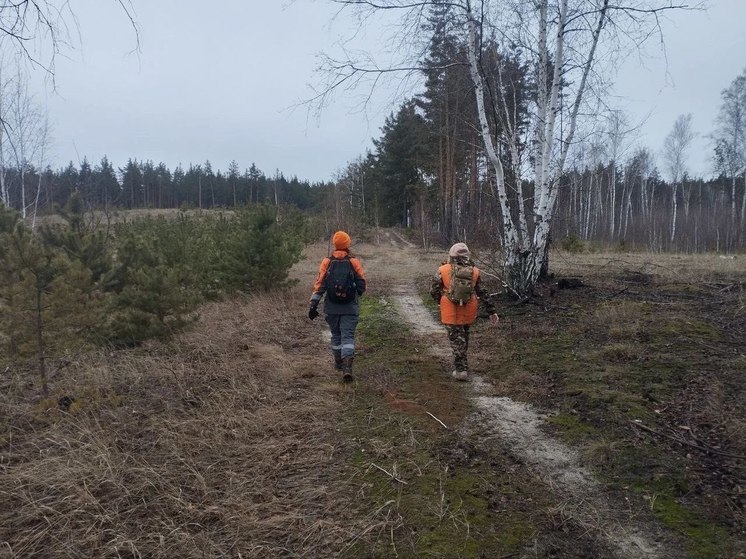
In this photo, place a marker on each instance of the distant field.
(120, 215)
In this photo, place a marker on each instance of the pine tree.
(151, 281)
(400, 156)
(45, 298)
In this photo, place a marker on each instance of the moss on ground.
(602, 367)
(438, 497)
(605, 366)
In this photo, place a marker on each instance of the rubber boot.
(347, 369)
(337, 359)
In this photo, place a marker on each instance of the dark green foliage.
(44, 295)
(401, 154)
(152, 293)
(258, 250)
(74, 283)
(572, 243)
(81, 238)
(164, 268)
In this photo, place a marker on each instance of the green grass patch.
(604, 364)
(703, 539)
(438, 496)
(571, 428)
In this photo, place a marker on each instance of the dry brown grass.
(223, 443)
(120, 215)
(668, 268)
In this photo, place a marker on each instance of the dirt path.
(517, 426)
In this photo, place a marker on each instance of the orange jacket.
(450, 312)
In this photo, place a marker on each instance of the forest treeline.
(428, 169)
(608, 204)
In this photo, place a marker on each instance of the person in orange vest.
(342, 279)
(457, 289)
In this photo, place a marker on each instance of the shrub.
(164, 267)
(572, 243)
(259, 250)
(152, 282)
(45, 295)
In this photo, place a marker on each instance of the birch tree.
(617, 131)
(730, 139)
(566, 43)
(5, 85)
(24, 127)
(638, 171)
(675, 148)
(43, 140)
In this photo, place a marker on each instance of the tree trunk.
(23, 190)
(674, 204)
(40, 342)
(743, 209)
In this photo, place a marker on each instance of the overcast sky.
(218, 81)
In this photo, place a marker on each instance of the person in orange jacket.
(457, 289)
(342, 279)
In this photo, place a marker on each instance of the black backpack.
(340, 281)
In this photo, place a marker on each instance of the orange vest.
(450, 312)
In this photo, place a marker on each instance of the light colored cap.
(459, 249)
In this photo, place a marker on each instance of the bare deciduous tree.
(39, 29)
(5, 85)
(675, 148)
(565, 43)
(730, 140)
(27, 133)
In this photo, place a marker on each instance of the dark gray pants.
(343, 332)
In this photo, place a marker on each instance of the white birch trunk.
(510, 240)
(742, 229)
(612, 201)
(23, 191)
(43, 139)
(674, 203)
(733, 200)
(4, 198)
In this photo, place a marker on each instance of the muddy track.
(518, 427)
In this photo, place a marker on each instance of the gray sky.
(219, 83)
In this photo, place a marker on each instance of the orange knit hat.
(341, 240)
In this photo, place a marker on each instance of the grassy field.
(236, 439)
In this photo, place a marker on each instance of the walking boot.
(347, 369)
(460, 375)
(337, 359)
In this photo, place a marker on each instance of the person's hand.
(312, 312)
(494, 319)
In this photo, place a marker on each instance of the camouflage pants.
(459, 338)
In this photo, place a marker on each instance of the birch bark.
(559, 40)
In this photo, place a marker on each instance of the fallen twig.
(436, 419)
(688, 443)
(392, 476)
(616, 294)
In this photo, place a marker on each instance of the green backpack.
(461, 286)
